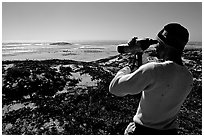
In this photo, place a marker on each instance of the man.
(164, 85)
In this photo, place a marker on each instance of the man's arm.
(126, 82)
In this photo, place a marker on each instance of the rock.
(61, 43)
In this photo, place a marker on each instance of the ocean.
(80, 51)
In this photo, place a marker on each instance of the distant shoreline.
(85, 51)
(80, 41)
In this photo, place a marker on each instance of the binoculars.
(134, 45)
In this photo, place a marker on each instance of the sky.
(68, 21)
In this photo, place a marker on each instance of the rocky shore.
(71, 97)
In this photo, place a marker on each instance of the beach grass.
(45, 97)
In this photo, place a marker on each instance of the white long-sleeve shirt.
(164, 87)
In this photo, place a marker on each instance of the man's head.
(173, 37)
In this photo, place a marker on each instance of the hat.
(174, 35)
